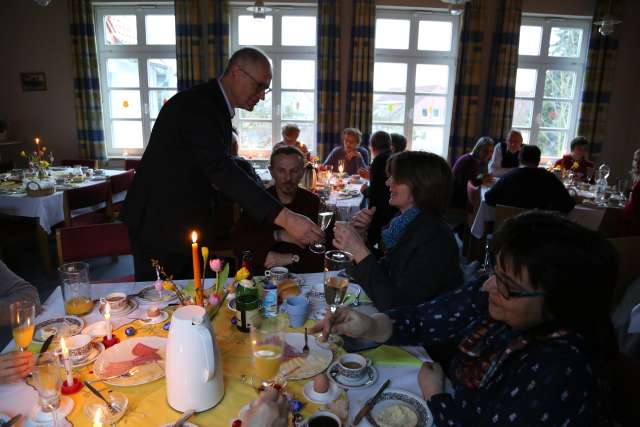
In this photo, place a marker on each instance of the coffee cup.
(353, 366)
(297, 308)
(117, 301)
(79, 347)
(317, 290)
(278, 274)
(323, 419)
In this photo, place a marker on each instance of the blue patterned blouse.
(546, 383)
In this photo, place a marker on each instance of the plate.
(404, 398)
(96, 350)
(132, 304)
(317, 361)
(369, 379)
(98, 329)
(150, 295)
(122, 352)
(65, 326)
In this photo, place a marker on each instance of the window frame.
(278, 53)
(142, 53)
(543, 63)
(414, 57)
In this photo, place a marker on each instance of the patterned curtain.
(328, 63)
(504, 65)
(360, 89)
(86, 84)
(599, 76)
(464, 118)
(188, 51)
(217, 36)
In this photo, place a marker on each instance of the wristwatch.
(295, 258)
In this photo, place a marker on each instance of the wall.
(33, 38)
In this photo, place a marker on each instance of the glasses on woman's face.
(503, 284)
(260, 87)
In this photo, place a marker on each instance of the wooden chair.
(88, 163)
(628, 249)
(503, 213)
(119, 183)
(86, 197)
(84, 242)
(131, 164)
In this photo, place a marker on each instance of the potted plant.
(3, 130)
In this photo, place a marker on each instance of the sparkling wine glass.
(23, 316)
(336, 283)
(324, 219)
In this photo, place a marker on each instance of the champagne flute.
(47, 380)
(336, 283)
(267, 341)
(324, 219)
(23, 320)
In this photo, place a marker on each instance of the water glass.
(47, 380)
(76, 289)
(336, 283)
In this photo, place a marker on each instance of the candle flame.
(194, 237)
(63, 346)
(96, 418)
(37, 141)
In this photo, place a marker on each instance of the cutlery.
(369, 405)
(305, 349)
(47, 343)
(93, 390)
(131, 372)
(185, 416)
(13, 421)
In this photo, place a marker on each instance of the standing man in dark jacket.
(188, 159)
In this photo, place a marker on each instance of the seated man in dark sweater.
(270, 244)
(530, 187)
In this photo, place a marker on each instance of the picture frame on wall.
(33, 81)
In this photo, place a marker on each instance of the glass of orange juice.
(23, 321)
(75, 288)
(267, 341)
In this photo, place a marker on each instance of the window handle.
(278, 110)
(146, 108)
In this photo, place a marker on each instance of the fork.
(131, 372)
(305, 349)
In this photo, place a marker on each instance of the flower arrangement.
(36, 158)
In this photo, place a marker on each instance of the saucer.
(155, 320)
(132, 304)
(368, 379)
(321, 398)
(96, 350)
(40, 418)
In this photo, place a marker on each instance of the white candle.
(107, 320)
(66, 361)
(96, 418)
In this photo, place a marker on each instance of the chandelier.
(259, 10)
(456, 7)
(42, 2)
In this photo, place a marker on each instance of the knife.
(13, 421)
(47, 343)
(369, 405)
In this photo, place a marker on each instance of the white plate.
(65, 326)
(400, 397)
(187, 424)
(367, 380)
(321, 398)
(96, 350)
(122, 351)
(132, 304)
(317, 361)
(150, 295)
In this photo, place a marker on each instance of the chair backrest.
(92, 241)
(628, 249)
(121, 182)
(131, 164)
(84, 197)
(503, 213)
(87, 163)
(6, 166)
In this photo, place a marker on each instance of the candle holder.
(73, 388)
(110, 342)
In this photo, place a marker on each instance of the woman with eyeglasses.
(529, 346)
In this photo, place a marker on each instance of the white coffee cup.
(277, 273)
(79, 347)
(117, 301)
(353, 366)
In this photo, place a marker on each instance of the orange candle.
(197, 282)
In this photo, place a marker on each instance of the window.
(137, 60)
(288, 37)
(413, 77)
(551, 61)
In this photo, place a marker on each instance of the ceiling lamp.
(607, 23)
(259, 10)
(42, 2)
(456, 7)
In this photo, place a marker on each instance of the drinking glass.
(324, 219)
(340, 167)
(23, 321)
(76, 290)
(336, 282)
(47, 380)
(267, 341)
(622, 185)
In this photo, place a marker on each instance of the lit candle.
(37, 141)
(107, 320)
(341, 168)
(197, 284)
(66, 361)
(96, 418)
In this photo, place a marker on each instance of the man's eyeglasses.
(259, 86)
(503, 287)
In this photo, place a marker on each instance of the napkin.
(392, 356)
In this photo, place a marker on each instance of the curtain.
(464, 117)
(328, 71)
(217, 36)
(188, 36)
(360, 89)
(504, 65)
(86, 84)
(598, 81)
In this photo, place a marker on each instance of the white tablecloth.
(347, 208)
(49, 209)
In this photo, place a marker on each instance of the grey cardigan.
(14, 288)
(423, 265)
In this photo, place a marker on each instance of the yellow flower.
(167, 285)
(575, 165)
(23, 154)
(241, 274)
(44, 164)
(205, 253)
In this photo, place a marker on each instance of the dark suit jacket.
(378, 194)
(185, 164)
(530, 188)
(423, 265)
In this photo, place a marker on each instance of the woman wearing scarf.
(420, 258)
(527, 348)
